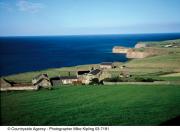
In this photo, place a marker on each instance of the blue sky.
(68, 17)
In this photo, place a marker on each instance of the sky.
(81, 17)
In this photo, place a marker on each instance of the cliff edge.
(146, 49)
(120, 49)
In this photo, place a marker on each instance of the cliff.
(130, 53)
(137, 54)
(140, 51)
(120, 49)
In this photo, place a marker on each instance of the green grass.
(161, 43)
(92, 105)
(163, 61)
(172, 75)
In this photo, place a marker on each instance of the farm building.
(41, 80)
(86, 79)
(104, 75)
(95, 73)
(43, 83)
(81, 73)
(82, 76)
(106, 65)
(5, 83)
(55, 81)
(68, 79)
(39, 77)
(9, 86)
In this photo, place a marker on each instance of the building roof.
(56, 82)
(40, 80)
(40, 75)
(4, 82)
(68, 77)
(7, 81)
(95, 72)
(82, 72)
(106, 63)
(55, 78)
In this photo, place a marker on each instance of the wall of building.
(20, 88)
(68, 81)
(44, 83)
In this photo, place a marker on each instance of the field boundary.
(20, 88)
(138, 83)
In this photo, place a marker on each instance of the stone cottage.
(104, 75)
(68, 79)
(42, 81)
(39, 77)
(56, 81)
(91, 75)
(5, 83)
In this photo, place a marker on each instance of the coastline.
(91, 50)
(154, 63)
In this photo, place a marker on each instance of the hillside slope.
(92, 105)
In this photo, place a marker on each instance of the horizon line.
(88, 34)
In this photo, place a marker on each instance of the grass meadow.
(92, 105)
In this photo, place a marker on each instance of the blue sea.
(23, 54)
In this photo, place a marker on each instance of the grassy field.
(92, 105)
(161, 43)
(172, 75)
(162, 61)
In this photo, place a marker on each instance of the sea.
(33, 53)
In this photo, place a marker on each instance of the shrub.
(114, 79)
(140, 79)
(130, 79)
(94, 81)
